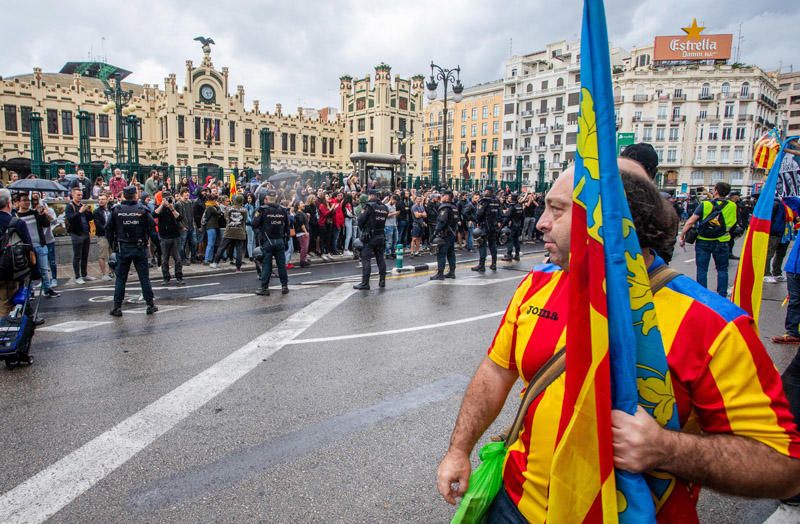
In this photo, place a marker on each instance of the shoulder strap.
(555, 365)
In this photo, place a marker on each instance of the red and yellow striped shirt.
(724, 381)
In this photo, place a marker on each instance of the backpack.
(714, 224)
(14, 254)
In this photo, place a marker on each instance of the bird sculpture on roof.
(205, 43)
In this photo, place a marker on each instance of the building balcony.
(727, 96)
(679, 98)
(748, 96)
(526, 113)
(540, 129)
(526, 165)
(662, 97)
(541, 149)
(525, 149)
(637, 99)
(556, 147)
(557, 127)
(705, 98)
(526, 131)
(554, 165)
(619, 100)
(678, 118)
(558, 110)
(542, 111)
(744, 118)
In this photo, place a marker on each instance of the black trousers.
(138, 256)
(277, 249)
(375, 246)
(514, 242)
(446, 253)
(169, 249)
(491, 243)
(80, 254)
(230, 245)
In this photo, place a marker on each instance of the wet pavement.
(323, 405)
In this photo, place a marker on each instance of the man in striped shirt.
(737, 433)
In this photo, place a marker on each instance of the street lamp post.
(402, 140)
(118, 98)
(446, 76)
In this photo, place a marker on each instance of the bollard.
(399, 256)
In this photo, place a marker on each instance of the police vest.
(273, 221)
(491, 212)
(129, 220)
(447, 219)
(517, 215)
(377, 219)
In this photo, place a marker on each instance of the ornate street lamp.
(446, 76)
(403, 139)
(118, 98)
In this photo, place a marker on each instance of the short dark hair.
(723, 188)
(655, 220)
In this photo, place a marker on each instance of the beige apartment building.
(204, 122)
(789, 102)
(473, 132)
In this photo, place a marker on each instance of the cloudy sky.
(293, 52)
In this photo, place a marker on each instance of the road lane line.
(395, 331)
(689, 261)
(47, 492)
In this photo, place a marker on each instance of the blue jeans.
(251, 240)
(43, 265)
(348, 233)
(503, 510)
(470, 242)
(212, 239)
(402, 229)
(704, 250)
(391, 239)
(51, 257)
(793, 307)
(289, 251)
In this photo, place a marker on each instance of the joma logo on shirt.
(541, 312)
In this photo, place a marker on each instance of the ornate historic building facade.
(204, 122)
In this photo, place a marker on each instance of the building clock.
(207, 93)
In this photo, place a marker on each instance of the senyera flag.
(233, 185)
(765, 150)
(748, 285)
(614, 347)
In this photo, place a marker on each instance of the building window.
(216, 129)
(698, 178)
(313, 145)
(463, 147)
(648, 134)
(728, 109)
(673, 134)
(330, 146)
(698, 154)
(724, 154)
(474, 130)
(726, 132)
(494, 144)
(676, 112)
(485, 112)
(305, 143)
(678, 93)
(745, 89)
(11, 117)
(292, 142)
(362, 125)
(741, 133)
(474, 113)
(495, 127)
(372, 123)
(726, 89)
(713, 132)
(25, 118)
(738, 154)
(660, 130)
(90, 125)
(372, 143)
(529, 88)
(672, 155)
(102, 121)
(712, 154)
(463, 115)
(705, 91)
(484, 128)
(483, 145)
(496, 110)
(197, 128)
(660, 154)
(662, 111)
(284, 142)
(248, 139)
(231, 132)
(181, 127)
(66, 122)
(52, 122)
(463, 131)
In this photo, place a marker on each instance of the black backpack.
(714, 224)
(14, 254)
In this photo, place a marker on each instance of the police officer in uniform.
(271, 223)
(488, 218)
(130, 227)
(445, 233)
(515, 217)
(371, 223)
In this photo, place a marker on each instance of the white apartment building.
(702, 119)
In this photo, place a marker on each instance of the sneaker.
(289, 266)
(784, 513)
(116, 312)
(165, 281)
(80, 281)
(284, 290)
(348, 253)
(105, 278)
(780, 278)
(180, 282)
(89, 279)
(38, 285)
(213, 265)
(263, 291)
(769, 279)
(151, 309)
(54, 283)
(238, 270)
(49, 293)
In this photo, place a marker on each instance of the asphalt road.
(229, 407)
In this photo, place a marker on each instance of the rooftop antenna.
(511, 46)
(103, 58)
(739, 40)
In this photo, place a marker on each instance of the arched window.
(557, 158)
(560, 82)
(617, 92)
(705, 90)
(726, 88)
(529, 89)
(745, 89)
(639, 89)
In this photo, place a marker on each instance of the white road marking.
(47, 492)
(470, 281)
(224, 296)
(395, 331)
(689, 261)
(161, 309)
(73, 326)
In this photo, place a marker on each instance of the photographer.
(37, 220)
(101, 217)
(77, 218)
(169, 232)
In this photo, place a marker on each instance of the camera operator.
(130, 228)
(169, 232)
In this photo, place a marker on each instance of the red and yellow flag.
(766, 150)
(233, 185)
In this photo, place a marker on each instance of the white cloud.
(294, 52)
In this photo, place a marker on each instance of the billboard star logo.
(693, 31)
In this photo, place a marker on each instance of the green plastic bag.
(484, 484)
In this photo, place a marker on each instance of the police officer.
(488, 218)
(371, 223)
(515, 217)
(130, 227)
(271, 224)
(445, 233)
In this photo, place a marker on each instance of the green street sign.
(624, 140)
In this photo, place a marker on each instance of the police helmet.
(505, 234)
(258, 254)
(479, 236)
(112, 260)
(357, 243)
